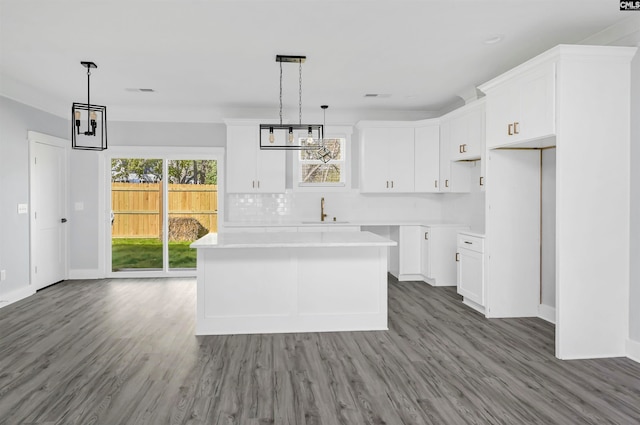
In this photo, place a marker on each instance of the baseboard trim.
(477, 307)
(409, 277)
(85, 274)
(633, 350)
(547, 313)
(15, 296)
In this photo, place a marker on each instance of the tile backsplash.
(259, 207)
(302, 206)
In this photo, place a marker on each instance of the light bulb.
(309, 136)
(78, 116)
(93, 115)
(290, 134)
(271, 136)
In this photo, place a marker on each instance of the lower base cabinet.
(470, 266)
(427, 253)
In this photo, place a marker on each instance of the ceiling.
(210, 59)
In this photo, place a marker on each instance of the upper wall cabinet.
(467, 132)
(522, 109)
(427, 156)
(250, 169)
(386, 157)
(455, 176)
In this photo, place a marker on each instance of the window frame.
(333, 132)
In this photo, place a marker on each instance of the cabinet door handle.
(464, 148)
(481, 181)
(258, 184)
(457, 256)
(426, 236)
(391, 184)
(510, 130)
(460, 148)
(387, 184)
(446, 183)
(469, 243)
(253, 184)
(515, 128)
(435, 183)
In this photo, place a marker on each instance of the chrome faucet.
(322, 214)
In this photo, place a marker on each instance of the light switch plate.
(78, 206)
(3, 275)
(23, 208)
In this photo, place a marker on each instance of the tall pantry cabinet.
(576, 98)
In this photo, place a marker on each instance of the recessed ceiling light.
(494, 39)
(377, 95)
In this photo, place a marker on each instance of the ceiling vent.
(133, 89)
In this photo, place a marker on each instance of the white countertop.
(291, 240)
(468, 233)
(365, 222)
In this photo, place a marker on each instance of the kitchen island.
(291, 282)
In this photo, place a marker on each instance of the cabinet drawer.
(472, 243)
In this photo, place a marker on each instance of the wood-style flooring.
(124, 352)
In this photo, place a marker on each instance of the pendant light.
(283, 136)
(323, 153)
(94, 136)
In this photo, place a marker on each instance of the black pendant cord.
(280, 93)
(88, 100)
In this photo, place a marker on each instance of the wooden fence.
(137, 206)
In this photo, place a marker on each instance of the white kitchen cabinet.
(522, 108)
(467, 132)
(386, 158)
(250, 169)
(427, 157)
(470, 269)
(427, 253)
(409, 253)
(455, 176)
(579, 95)
(438, 256)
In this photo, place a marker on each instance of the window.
(311, 171)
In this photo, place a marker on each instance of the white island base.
(291, 282)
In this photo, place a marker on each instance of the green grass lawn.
(147, 254)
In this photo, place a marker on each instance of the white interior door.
(48, 189)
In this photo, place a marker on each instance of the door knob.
(63, 220)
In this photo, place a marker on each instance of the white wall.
(167, 134)
(17, 119)
(465, 208)
(86, 168)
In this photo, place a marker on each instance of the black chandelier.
(94, 138)
(282, 136)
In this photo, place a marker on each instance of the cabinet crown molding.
(561, 52)
(464, 109)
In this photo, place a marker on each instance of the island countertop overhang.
(290, 240)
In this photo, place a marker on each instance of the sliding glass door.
(159, 206)
(192, 208)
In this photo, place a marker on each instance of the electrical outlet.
(3, 275)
